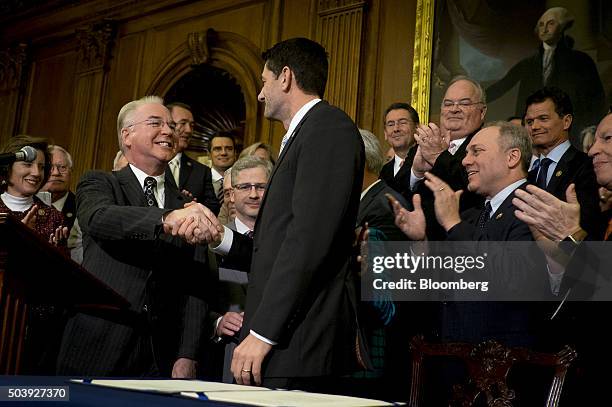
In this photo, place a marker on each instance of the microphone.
(27, 154)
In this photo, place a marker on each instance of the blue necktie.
(485, 215)
(543, 173)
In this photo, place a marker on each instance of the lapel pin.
(499, 216)
(69, 215)
(558, 173)
(188, 164)
(41, 212)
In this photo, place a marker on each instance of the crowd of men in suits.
(164, 229)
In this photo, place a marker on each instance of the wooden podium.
(32, 271)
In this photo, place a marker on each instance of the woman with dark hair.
(20, 181)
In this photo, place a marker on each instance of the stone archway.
(227, 51)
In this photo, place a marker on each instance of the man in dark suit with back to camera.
(188, 174)
(127, 217)
(299, 323)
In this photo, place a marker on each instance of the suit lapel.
(172, 197)
(185, 172)
(561, 169)
(132, 190)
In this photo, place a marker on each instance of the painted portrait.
(515, 48)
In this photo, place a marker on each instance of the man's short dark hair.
(307, 60)
(414, 116)
(561, 100)
(178, 104)
(230, 134)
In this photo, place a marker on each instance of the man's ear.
(514, 157)
(287, 78)
(567, 121)
(125, 137)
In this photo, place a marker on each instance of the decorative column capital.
(12, 61)
(94, 45)
(199, 44)
(335, 6)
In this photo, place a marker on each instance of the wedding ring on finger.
(441, 188)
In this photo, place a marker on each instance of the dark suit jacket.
(375, 210)
(576, 167)
(162, 278)
(448, 167)
(400, 182)
(511, 322)
(297, 293)
(69, 210)
(197, 179)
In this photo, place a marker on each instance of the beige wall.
(73, 85)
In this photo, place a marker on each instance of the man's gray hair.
(477, 85)
(564, 18)
(513, 136)
(126, 112)
(55, 147)
(374, 160)
(249, 162)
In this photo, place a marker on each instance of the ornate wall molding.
(199, 45)
(94, 46)
(340, 30)
(12, 61)
(423, 49)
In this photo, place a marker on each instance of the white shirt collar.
(299, 115)
(365, 191)
(59, 204)
(17, 203)
(241, 227)
(159, 191)
(177, 159)
(549, 47)
(556, 153)
(458, 142)
(216, 176)
(501, 196)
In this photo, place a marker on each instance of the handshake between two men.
(194, 223)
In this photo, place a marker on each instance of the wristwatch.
(572, 241)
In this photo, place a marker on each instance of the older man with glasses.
(442, 148)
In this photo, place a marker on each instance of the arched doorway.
(216, 101)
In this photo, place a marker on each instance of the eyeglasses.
(248, 187)
(62, 169)
(462, 104)
(401, 122)
(182, 123)
(155, 123)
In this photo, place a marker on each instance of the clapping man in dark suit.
(190, 176)
(127, 217)
(441, 149)
(299, 323)
(548, 119)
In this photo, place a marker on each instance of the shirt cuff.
(262, 338)
(414, 180)
(226, 244)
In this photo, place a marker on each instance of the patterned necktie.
(547, 65)
(220, 190)
(174, 168)
(149, 190)
(249, 234)
(543, 173)
(452, 148)
(485, 215)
